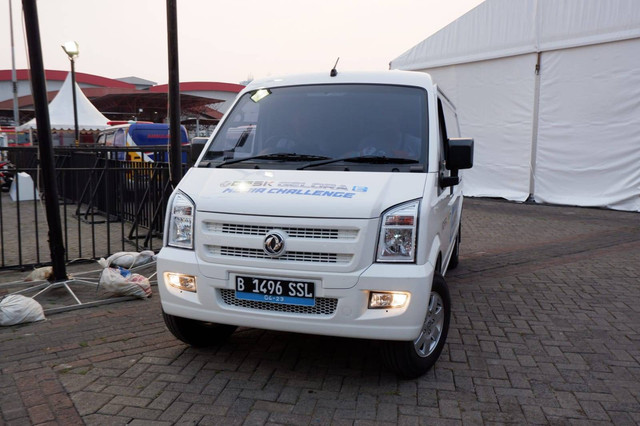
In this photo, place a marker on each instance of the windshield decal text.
(292, 188)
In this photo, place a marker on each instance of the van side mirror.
(458, 155)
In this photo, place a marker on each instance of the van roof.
(404, 78)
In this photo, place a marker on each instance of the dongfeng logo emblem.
(274, 244)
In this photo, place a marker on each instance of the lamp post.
(72, 50)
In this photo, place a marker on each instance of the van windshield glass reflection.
(328, 121)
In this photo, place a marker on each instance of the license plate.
(274, 290)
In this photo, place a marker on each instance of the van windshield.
(325, 126)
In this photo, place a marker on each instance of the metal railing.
(110, 200)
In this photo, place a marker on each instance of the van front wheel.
(414, 358)
(197, 333)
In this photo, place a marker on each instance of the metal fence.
(111, 200)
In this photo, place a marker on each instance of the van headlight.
(398, 233)
(181, 219)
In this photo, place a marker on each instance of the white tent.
(61, 111)
(550, 90)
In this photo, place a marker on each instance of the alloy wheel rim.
(432, 327)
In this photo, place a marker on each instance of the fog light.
(388, 300)
(180, 281)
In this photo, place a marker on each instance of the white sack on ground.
(128, 259)
(40, 274)
(18, 309)
(113, 281)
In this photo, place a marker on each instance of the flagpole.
(14, 79)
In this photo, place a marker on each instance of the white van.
(324, 204)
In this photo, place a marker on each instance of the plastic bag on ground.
(18, 309)
(128, 259)
(121, 282)
(40, 274)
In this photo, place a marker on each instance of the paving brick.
(110, 409)
(470, 418)
(101, 419)
(544, 331)
(140, 413)
(190, 419)
(41, 414)
(449, 409)
(13, 414)
(90, 402)
(322, 416)
(534, 415)
(174, 411)
(256, 418)
(594, 411)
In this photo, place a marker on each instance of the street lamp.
(72, 50)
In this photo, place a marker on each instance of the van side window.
(109, 139)
(118, 139)
(442, 137)
(451, 121)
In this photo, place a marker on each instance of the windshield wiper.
(368, 159)
(282, 156)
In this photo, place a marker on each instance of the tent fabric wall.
(588, 145)
(493, 95)
(565, 135)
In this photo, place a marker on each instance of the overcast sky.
(227, 41)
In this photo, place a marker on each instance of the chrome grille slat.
(292, 256)
(324, 306)
(292, 232)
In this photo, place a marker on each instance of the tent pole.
(75, 103)
(534, 132)
(45, 150)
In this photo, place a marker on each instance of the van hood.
(358, 195)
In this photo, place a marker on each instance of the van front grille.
(324, 306)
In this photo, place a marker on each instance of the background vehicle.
(143, 134)
(324, 204)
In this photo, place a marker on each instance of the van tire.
(455, 256)
(414, 358)
(197, 333)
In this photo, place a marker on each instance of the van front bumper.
(337, 312)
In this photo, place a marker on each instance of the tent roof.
(500, 28)
(61, 111)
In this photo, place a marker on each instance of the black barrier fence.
(111, 200)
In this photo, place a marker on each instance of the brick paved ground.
(544, 331)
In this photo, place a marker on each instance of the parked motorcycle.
(6, 175)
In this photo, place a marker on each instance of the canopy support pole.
(45, 150)
(175, 142)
